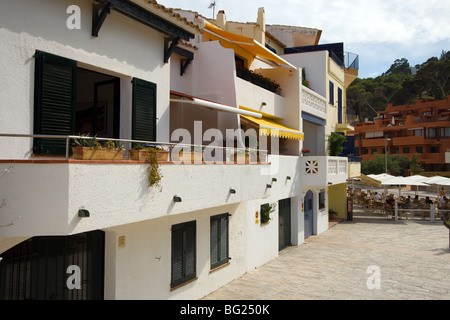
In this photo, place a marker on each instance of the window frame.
(183, 231)
(217, 241)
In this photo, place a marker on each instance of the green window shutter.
(54, 101)
(219, 240)
(183, 253)
(144, 110)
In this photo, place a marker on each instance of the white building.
(139, 72)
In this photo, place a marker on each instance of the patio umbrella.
(402, 181)
(438, 181)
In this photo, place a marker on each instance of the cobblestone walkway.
(413, 258)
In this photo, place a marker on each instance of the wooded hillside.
(400, 85)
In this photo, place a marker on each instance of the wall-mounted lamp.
(274, 179)
(83, 213)
(263, 104)
(233, 191)
(288, 178)
(176, 199)
(268, 185)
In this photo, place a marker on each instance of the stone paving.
(412, 257)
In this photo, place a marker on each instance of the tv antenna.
(213, 6)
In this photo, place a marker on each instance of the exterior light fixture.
(233, 191)
(176, 199)
(288, 178)
(274, 179)
(83, 213)
(268, 185)
(263, 104)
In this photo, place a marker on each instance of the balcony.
(43, 195)
(323, 171)
(313, 103)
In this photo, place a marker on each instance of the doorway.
(309, 213)
(284, 224)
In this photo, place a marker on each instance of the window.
(374, 151)
(70, 100)
(321, 199)
(445, 132)
(184, 253)
(219, 240)
(432, 132)
(419, 149)
(331, 93)
(406, 150)
(418, 132)
(434, 149)
(339, 105)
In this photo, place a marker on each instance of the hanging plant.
(266, 209)
(153, 170)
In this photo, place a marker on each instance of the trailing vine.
(153, 170)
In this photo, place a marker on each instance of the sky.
(379, 31)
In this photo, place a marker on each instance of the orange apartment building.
(422, 128)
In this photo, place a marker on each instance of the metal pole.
(396, 211)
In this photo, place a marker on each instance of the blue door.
(309, 213)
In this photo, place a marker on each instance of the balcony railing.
(258, 80)
(322, 171)
(208, 154)
(351, 60)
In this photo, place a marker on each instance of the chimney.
(261, 21)
(260, 35)
(221, 19)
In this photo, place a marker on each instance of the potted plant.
(332, 213)
(141, 152)
(195, 155)
(266, 209)
(91, 149)
(305, 150)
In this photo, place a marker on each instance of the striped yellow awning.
(248, 44)
(269, 127)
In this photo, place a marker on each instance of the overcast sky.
(379, 31)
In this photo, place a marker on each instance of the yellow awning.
(268, 127)
(248, 44)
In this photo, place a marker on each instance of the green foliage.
(335, 143)
(153, 170)
(397, 86)
(396, 165)
(90, 143)
(414, 165)
(266, 209)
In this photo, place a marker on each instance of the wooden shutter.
(55, 98)
(219, 240)
(144, 110)
(184, 254)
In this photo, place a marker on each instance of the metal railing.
(168, 146)
(351, 60)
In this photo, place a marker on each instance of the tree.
(399, 66)
(335, 143)
(434, 77)
(414, 165)
(396, 165)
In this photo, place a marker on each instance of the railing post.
(67, 147)
(396, 211)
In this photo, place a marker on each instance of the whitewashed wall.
(122, 49)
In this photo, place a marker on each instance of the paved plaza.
(369, 258)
